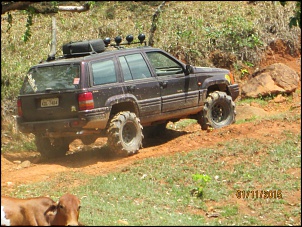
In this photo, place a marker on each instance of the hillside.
(234, 35)
(261, 151)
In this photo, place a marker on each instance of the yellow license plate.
(49, 102)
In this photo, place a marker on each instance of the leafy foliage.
(29, 22)
(296, 19)
(201, 180)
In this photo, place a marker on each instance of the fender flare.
(117, 99)
(210, 81)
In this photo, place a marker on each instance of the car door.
(178, 91)
(139, 82)
(104, 81)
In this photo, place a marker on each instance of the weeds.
(201, 181)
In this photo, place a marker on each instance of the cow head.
(67, 211)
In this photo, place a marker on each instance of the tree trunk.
(154, 21)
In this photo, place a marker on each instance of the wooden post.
(53, 44)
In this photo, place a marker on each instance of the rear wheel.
(218, 111)
(50, 148)
(125, 133)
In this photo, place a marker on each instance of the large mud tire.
(218, 111)
(51, 149)
(125, 134)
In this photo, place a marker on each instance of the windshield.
(49, 78)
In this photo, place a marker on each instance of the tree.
(296, 19)
(42, 7)
(154, 22)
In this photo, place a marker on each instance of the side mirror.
(189, 69)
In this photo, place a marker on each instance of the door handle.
(163, 84)
(131, 88)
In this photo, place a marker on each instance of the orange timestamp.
(262, 194)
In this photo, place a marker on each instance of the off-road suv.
(91, 92)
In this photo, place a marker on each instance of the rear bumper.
(88, 122)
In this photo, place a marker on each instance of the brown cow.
(68, 211)
(42, 211)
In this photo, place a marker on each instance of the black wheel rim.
(129, 132)
(219, 113)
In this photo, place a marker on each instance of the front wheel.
(218, 111)
(125, 133)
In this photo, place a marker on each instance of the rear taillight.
(86, 101)
(19, 105)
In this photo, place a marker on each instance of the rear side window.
(103, 72)
(55, 77)
(134, 67)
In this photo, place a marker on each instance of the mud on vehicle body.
(92, 92)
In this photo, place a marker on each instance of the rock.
(25, 164)
(274, 79)
(123, 222)
(279, 99)
(17, 162)
(212, 215)
(9, 183)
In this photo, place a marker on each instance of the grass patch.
(285, 117)
(263, 102)
(157, 191)
(181, 124)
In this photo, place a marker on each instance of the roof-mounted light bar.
(129, 38)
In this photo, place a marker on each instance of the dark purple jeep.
(92, 92)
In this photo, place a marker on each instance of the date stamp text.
(261, 194)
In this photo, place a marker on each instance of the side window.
(134, 67)
(125, 69)
(164, 65)
(103, 72)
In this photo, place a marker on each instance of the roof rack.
(89, 47)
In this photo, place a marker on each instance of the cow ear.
(52, 210)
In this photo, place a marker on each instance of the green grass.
(181, 124)
(157, 191)
(261, 101)
(284, 116)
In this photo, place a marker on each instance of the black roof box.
(82, 48)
